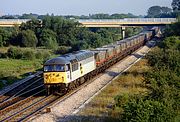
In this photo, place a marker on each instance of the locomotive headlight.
(62, 78)
(46, 76)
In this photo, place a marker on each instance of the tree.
(157, 11)
(48, 39)
(154, 11)
(29, 16)
(176, 5)
(28, 38)
(166, 10)
(100, 16)
(106, 36)
(173, 29)
(5, 36)
(33, 24)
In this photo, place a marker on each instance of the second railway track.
(20, 87)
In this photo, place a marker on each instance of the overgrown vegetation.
(163, 81)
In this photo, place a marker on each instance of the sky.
(79, 7)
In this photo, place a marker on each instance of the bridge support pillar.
(123, 32)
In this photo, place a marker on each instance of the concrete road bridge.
(122, 23)
(126, 22)
(103, 22)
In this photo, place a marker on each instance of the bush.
(139, 110)
(1, 41)
(62, 50)
(3, 55)
(121, 100)
(28, 38)
(172, 42)
(48, 39)
(15, 53)
(44, 55)
(29, 55)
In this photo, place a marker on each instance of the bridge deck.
(103, 22)
(126, 22)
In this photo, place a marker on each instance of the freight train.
(68, 71)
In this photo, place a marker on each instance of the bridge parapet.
(130, 20)
(103, 22)
(14, 20)
(126, 22)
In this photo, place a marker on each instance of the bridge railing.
(130, 20)
(125, 20)
(14, 20)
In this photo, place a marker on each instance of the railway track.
(19, 106)
(26, 105)
(19, 95)
(18, 88)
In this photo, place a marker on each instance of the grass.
(15, 66)
(130, 82)
(13, 69)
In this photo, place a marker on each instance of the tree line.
(90, 16)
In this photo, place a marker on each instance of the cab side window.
(75, 66)
(67, 68)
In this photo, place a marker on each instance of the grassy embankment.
(101, 108)
(12, 70)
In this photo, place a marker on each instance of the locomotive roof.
(57, 60)
(70, 57)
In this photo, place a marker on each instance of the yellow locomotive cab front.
(55, 77)
(56, 74)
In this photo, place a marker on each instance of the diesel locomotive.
(68, 71)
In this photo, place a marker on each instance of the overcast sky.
(79, 7)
